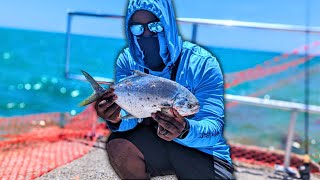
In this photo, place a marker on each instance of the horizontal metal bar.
(82, 78)
(268, 103)
(219, 22)
(95, 14)
(254, 25)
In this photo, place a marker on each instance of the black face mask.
(151, 48)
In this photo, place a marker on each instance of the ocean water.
(32, 79)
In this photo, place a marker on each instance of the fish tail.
(96, 88)
(93, 97)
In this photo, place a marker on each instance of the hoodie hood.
(164, 11)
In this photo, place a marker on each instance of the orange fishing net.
(33, 145)
(36, 144)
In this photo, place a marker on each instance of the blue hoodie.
(198, 71)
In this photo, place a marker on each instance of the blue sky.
(48, 15)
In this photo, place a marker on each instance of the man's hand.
(169, 128)
(106, 108)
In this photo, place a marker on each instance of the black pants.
(170, 158)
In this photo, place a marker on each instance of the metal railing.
(195, 22)
(269, 103)
(70, 16)
(283, 105)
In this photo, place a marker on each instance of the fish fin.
(138, 73)
(95, 86)
(129, 116)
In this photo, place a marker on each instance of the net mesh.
(35, 144)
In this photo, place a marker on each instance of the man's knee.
(126, 159)
(113, 146)
(121, 150)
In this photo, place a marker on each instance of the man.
(189, 147)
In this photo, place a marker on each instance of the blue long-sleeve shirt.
(198, 71)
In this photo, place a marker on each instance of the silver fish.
(142, 94)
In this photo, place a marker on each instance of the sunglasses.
(138, 29)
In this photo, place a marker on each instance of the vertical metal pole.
(307, 79)
(194, 32)
(62, 120)
(67, 45)
(290, 139)
(304, 170)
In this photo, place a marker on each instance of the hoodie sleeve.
(123, 70)
(206, 127)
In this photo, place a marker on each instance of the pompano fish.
(142, 94)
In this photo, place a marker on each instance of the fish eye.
(190, 106)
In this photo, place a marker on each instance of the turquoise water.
(32, 81)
